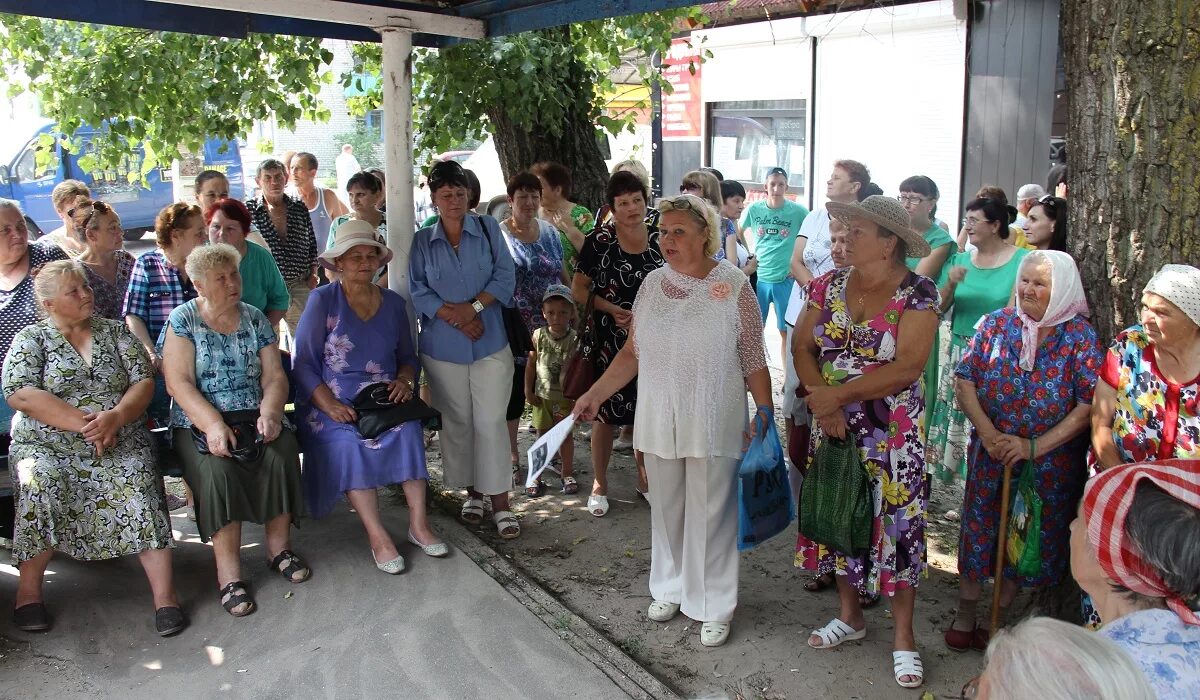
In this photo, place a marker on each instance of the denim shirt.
(439, 276)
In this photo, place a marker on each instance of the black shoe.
(169, 621)
(31, 618)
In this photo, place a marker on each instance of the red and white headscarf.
(1106, 503)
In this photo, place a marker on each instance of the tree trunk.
(1133, 145)
(575, 146)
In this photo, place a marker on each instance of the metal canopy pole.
(397, 144)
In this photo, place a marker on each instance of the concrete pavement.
(444, 628)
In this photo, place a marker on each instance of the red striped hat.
(1106, 503)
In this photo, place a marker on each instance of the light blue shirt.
(439, 276)
(1167, 650)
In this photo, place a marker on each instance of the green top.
(775, 233)
(936, 237)
(582, 218)
(982, 291)
(552, 356)
(262, 285)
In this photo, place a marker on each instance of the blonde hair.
(48, 279)
(707, 183)
(635, 167)
(702, 212)
(207, 258)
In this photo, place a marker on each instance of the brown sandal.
(816, 584)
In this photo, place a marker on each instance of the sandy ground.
(599, 568)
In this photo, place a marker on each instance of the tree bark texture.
(575, 146)
(1133, 146)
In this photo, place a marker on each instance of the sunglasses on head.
(1049, 201)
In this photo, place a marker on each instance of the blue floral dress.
(885, 430)
(1026, 404)
(346, 353)
(1166, 649)
(538, 265)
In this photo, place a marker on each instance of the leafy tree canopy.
(534, 78)
(167, 91)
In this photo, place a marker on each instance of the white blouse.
(696, 340)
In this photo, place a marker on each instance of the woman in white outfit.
(692, 425)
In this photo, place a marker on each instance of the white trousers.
(693, 535)
(795, 412)
(474, 436)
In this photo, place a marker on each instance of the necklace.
(864, 291)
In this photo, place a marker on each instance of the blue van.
(23, 180)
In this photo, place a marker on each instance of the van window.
(27, 166)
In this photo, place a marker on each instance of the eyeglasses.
(969, 222)
(911, 199)
(688, 187)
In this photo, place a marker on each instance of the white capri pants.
(693, 535)
(474, 436)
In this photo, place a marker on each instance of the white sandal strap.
(908, 663)
(834, 632)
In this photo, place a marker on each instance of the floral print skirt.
(89, 507)
(949, 427)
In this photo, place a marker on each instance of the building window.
(373, 121)
(748, 138)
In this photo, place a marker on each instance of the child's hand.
(532, 399)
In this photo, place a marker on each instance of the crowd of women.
(935, 358)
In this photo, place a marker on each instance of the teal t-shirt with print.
(774, 232)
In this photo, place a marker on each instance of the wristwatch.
(477, 305)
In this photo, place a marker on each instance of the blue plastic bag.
(765, 506)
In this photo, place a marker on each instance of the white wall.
(890, 93)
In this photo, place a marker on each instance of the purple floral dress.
(337, 348)
(886, 431)
(538, 265)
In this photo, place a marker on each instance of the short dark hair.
(924, 186)
(473, 187)
(1057, 176)
(366, 180)
(307, 157)
(624, 182)
(524, 181)
(269, 164)
(231, 208)
(447, 172)
(555, 175)
(1166, 532)
(715, 173)
(731, 188)
(868, 190)
(993, 210)
(207, 175)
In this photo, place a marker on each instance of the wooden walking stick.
(1001, 546)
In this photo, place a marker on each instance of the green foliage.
(538, 80)
(366, 144)
(164, 90)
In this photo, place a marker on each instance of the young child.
(552, 347)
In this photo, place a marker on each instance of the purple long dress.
(336, 347)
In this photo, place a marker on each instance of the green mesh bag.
(835, 499)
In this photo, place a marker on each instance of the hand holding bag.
(1024, 546)
(247, 443)
(579, 372)
(377, 413)
(835, 499)
(765, 506)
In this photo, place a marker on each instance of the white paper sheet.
(544, 449)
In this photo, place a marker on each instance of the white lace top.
(696, 340)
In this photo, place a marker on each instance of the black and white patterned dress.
(616, 276)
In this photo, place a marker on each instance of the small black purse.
(247, 443)
(377, 413)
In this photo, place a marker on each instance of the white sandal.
(598, 505)
(835, 633)
(507, 525)
(714, 634)
(661, 611)
(472, 511)
(908, 663)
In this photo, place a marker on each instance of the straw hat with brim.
(889, 214)
(353, 232)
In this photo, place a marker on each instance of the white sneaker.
(661, 611)
(714, 634)
(622, 445)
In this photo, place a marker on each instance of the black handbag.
(377, 413)
(247, 442)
